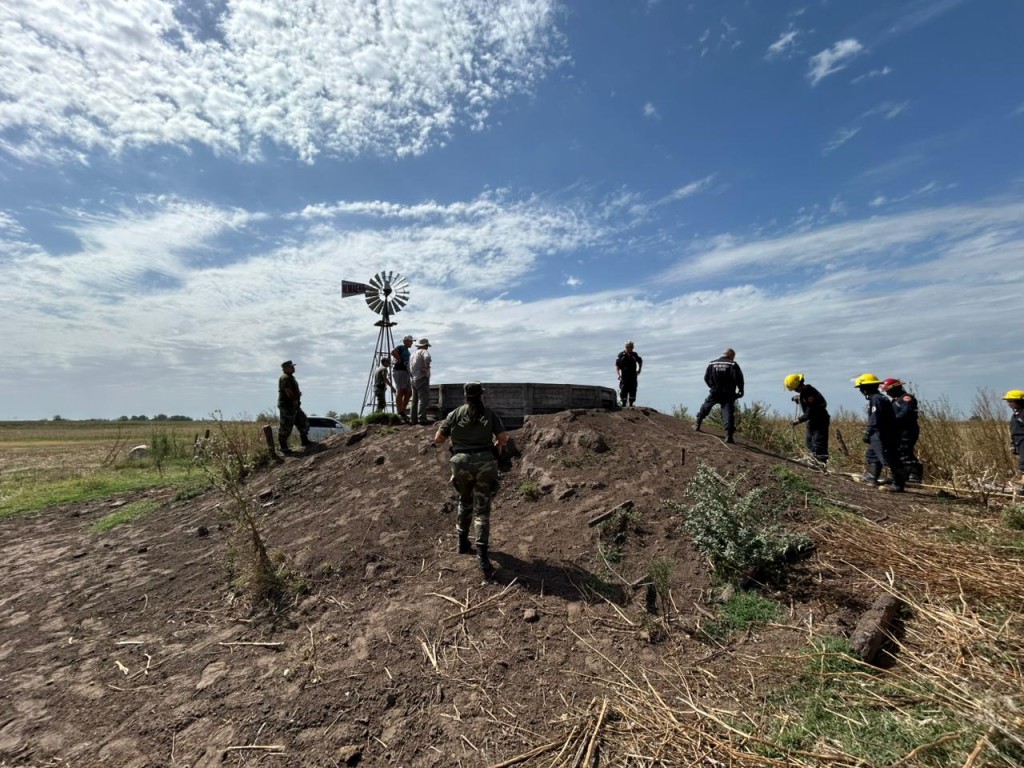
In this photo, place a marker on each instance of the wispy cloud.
(651, 112)
(691, 189)
(336, 78)
(881, 72)
(832, 60)
(842, 136)
(784, 47)
(926, 190)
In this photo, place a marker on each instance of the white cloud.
(832, 60)
(888, 110)
(651, 112)
(842, 136)
(187, 334)
(785, 46)
(340, 78)
(883, 72)
(926, 190)
(691, 189)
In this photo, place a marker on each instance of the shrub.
(529, 489)
(737, 533)
(1013, 517)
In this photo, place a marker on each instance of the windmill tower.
(386, 293)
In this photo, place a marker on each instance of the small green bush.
(530, 490)
(748, 609)
(382, 417)
(737, 532)
(1013, 517)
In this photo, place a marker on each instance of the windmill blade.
(387, 292)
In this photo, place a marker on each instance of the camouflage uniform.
(474, 467)
(290, 412)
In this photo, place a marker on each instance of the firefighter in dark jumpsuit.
(882, 436)
(814, 413)
(904, 406)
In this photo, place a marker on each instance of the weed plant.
(744, 610)
(530, 490)
(230, 457)
(737, 532)
(127, 514)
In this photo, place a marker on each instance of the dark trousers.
(627, 389)
(728, 403)
(381, 402)
(289, 418)
(817, 437)
(884, 453)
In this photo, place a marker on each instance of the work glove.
(795, 398)
(794, 422)
(867, 437)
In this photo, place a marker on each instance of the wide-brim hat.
(423, 343)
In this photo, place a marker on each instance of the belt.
(472, 450)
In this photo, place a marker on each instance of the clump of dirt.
(130, 648)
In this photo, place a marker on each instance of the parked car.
(324, 426)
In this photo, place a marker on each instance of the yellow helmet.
(793, 381)
(865, 379)
(1014, 394)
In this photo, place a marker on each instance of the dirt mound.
(128, 648)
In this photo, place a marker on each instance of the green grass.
(839, 701)
(127, 514)
(17, 498)
(743, 611)
(50, 463)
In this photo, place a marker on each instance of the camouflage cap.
(473, 389)
(286, 363)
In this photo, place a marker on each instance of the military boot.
(464, 546)
(284, 446)
(485, 562)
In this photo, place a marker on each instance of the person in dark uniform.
(904, 406)
(882, 436)
(627, 367)
(478, 438)
(289, 407)
(725, 383)
(814, 413)
(1015, 399)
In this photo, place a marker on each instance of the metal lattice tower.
(386, 293)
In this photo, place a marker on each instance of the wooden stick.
(480, 605)
(257, 747)
(526, 755)
(980, 747)
(593, 737)
(263, 645)
(623, 507)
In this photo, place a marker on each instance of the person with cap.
(725, 386)
(813, 413)
(403, 384)
(382, 381)
(627, 367)
(289, 406)
(1015, 399)
(478, 438)
(904, 406)
(882, 436)
(419, 374)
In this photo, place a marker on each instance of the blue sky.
(827, 187)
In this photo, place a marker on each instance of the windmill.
(386, 293)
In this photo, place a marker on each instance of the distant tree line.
(158, 417)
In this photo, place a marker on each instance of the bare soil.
(131, 647)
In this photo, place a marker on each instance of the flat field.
(43, 463)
